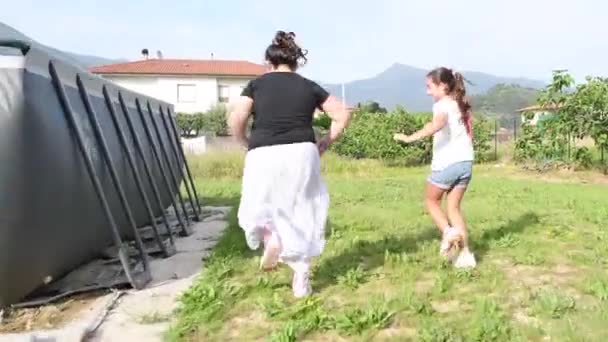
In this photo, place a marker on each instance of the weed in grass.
(442, 283)
(489, 322)
(357, 321)
(353, 278)
(396, 259)
(433, 330)
(417, 305)
(598, 288)
(509, 240)
(288, 333)
(272, 306)
(551, 303)
(466, 275)
(303, 318)
(530, 259)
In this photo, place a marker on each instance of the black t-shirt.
(283, 107)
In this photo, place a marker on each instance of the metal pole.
(185, 226)
(343, 97)
(495, 139)
(138, 182)
(177, 159)
(183, 155)
(163, 152)
(148, 170)
(514, 129)
(101, 139)
(123, 254)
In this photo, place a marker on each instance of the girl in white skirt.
(452, 164)
(284, 201)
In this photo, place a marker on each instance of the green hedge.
(371, 136)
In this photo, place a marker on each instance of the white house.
(191, 85)
(538, 112)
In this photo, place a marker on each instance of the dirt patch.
(251, 327)
(424, 284)
(50, 316)
(446, 306)
(395, 333)
(523, 318)
(531, 276)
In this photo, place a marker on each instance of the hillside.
(404, 85)
(503, 100)
(85, 61)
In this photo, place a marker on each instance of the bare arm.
(237, 121)
(439, 121)
(340, 116)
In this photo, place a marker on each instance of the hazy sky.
(346, 40)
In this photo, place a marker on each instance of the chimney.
(145, 53)
(159, 54)
(212, 56)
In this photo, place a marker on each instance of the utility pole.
(343, 97)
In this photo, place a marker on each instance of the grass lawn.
(542, 248)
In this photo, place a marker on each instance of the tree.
(371, 107)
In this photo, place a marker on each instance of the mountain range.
(405, 86)
(398, 85)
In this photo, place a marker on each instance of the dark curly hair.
(284, 50)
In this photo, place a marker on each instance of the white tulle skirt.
(283, 191)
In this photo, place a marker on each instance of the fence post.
(569, 148)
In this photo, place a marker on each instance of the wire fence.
(506, 134)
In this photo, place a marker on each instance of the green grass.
(542, 247)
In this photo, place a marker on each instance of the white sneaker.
(301, 285)
(465, 259)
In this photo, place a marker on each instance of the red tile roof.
(182, 67)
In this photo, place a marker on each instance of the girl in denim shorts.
(451, 168)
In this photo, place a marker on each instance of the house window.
(223, 94)
(186, 93)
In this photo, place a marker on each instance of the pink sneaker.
(272, 249)
(301, 285)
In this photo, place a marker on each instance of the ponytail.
(459, 93)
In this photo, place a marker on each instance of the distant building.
(191, 85)
(538, 112)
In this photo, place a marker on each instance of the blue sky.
(347, 40)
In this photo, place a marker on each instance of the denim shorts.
(456, 175)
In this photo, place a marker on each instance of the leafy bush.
(213, 121)
(583, 158)
(482, 138)
(322, 121)
(188, 124)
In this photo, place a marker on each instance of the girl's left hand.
(403, 138)
(323, 145)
